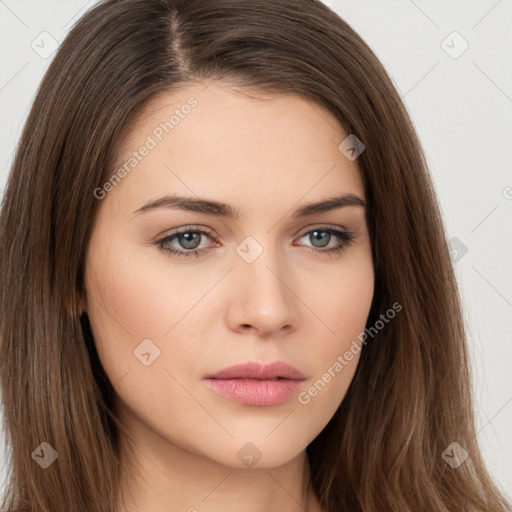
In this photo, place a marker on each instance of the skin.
(265, 156)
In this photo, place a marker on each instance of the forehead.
(206, 138)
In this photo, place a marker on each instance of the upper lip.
(254, 370)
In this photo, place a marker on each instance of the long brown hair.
(410, 397)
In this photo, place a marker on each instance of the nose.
(263, 300)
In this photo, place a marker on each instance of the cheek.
(141, 298)
(343, 309)
(138, 305)
(341, 299)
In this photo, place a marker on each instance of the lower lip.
(256, 392)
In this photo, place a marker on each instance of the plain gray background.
(460, 100)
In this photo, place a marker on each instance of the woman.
(173, 336)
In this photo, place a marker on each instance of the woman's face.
(263, 287)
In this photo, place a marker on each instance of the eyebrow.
(219, 209)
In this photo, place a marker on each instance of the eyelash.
(346, 238)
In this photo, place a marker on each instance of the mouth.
(256, 384)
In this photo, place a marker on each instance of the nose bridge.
(265, 300)
(260, 265)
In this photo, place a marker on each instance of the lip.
(257, 384)
(254, 370)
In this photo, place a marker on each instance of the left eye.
(322, 236)
(190, 239)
